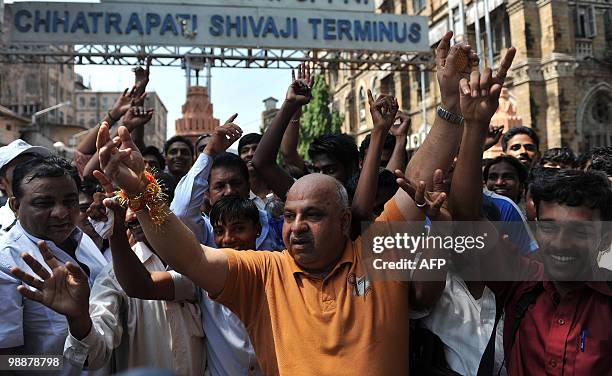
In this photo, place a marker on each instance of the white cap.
(18, 147)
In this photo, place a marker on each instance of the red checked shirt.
(549, 340)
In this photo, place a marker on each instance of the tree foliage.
(317, 118)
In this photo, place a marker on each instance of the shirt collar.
(76, 235)
(348, 257)
(143, 252)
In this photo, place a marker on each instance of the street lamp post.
(48, 109)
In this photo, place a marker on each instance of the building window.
(417, 80)
(81, 102)
(362, 105)
(92, 102)
(608, 27)
(501, 30)
(9, 127)
(601, 110)
(584, 19)
(105, 102)
(387, 6)
(418, 5)
(387, 85)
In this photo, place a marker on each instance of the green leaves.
(318, 118)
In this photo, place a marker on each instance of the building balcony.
(584, 48)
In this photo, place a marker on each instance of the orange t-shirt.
(302, 325)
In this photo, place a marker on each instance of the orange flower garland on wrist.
(152, 199)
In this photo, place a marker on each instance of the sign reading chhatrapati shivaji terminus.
(290, 24)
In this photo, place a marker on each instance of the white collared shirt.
(464, 325)
(141, 333)
(24, 322)
(7, 220)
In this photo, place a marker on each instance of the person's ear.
(345, 221)
(14, 205)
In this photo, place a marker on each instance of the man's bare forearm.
(466, 188)
(178, 246)
(365, 194)
(437, 152)
(290, 142)
(265, 156)
(398, 157)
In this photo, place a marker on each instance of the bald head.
(322, 186)
(317, 222)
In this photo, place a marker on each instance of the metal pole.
(488, 32)
(451, 24)
(209, 78)
(463, 21)
(423, 99)
(477, 29)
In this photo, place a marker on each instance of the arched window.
(362, 106)
(595, 124)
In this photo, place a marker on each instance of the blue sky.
(233, 89)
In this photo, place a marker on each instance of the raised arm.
(299, 94)
(479, 101)
(191, 190)
(289, 145)
(122, 163)
(440, 146)
(400, 132)
(383, 112)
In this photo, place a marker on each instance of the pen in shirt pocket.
(583, 334)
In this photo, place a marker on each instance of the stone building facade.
(560, 83)
(92, 106)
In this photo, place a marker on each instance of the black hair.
(598, 159)
(385, 178)
(154, 151)
(168, 184)
(90, 185)
(43, 167)
(231, 161)
(229, 208)
(520, 130)
(521, 171)
(573, 188)
(248, 139)
(340, 147)
(563, 156)
(175, 139)
(365, 144)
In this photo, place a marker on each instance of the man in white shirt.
(11, 155)
(45, 197)
(111, 327)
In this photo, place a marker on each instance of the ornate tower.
(197, 114)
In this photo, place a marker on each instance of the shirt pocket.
(596, 359)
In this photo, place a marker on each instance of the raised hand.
(300, 90)
(223, 137)
(120, 160)
(142, 77)
(123, 103)
(401, 130)
(65, 290)
(383, 111)
(453, 64)
(493, 136)
(432, 203)
(479, 97)
(136, 117)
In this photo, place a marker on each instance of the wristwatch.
(451, 117)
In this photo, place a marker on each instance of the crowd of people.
(192, 260)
